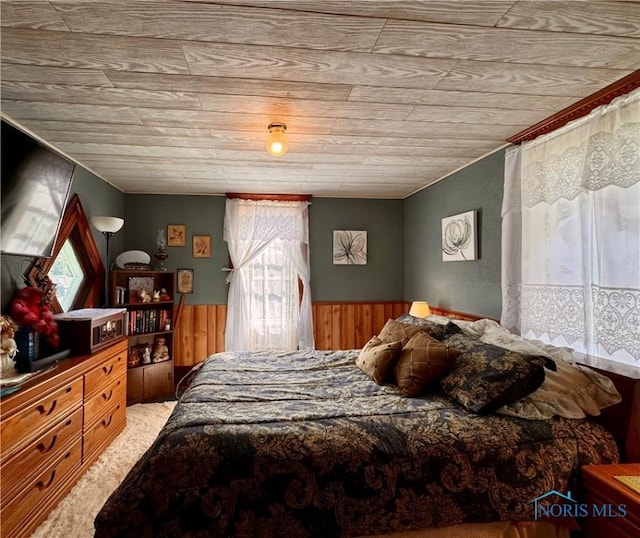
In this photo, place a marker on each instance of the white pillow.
(573, 391)
(476, 329)
(440, 320)
(498, 336)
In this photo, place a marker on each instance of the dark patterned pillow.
(461, 341)
(377, 358)
(394, 331)
(422, 362)
(452, 328)
(487, 377)
(437, 330)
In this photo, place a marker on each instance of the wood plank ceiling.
(380, 98)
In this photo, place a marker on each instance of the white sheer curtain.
(269, 248)
(571, 234)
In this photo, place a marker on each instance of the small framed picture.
(202, 246)
(176, 235)
(349, 247)
(185, 280)
(459, 241)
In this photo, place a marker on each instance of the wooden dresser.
(53, 429)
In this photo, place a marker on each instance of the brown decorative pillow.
(437, 330)
(394, 331)
(423, 361)
(487, 377)
(377, 359)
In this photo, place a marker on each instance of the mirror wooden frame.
(75, 227)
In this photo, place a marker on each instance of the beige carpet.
(74, 516)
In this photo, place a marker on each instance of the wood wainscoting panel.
(336, 325)
(199, 333)
(350, 325)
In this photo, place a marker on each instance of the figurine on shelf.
(160, 350)
(164, 296)
(144, 296)
(156, 296)
(146, 356)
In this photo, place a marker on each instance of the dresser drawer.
(102, 432)
(103, 375)
(40, 490)
(97, 405)
(38, 454)
(19, 429)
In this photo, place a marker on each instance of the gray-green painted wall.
(381, 279)
(202, 215)
(467, 286)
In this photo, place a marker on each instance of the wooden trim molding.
(579, 109)
(273, 197)
(455, 314)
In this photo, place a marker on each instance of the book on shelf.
(121, 295)
(147, 321)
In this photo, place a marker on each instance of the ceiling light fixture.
(277, 144)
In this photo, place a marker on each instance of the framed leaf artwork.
(459, 237)
(349, 247)
(176, 234)
(202, 246)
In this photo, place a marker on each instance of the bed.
(308, 444)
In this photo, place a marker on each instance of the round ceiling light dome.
(277, 144)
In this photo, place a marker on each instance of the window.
(67, 274)
(274, 300)
(571, 234)
(268, 245)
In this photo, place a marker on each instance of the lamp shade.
(277, 144)
(419, 309)
(107, 224)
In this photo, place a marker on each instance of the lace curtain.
(571, 234)
(269, 248)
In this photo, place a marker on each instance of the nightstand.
(603, 489)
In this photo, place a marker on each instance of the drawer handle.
(42, 410)
(107, 397)
(106, 370)
(107, 423)
(44, 449)
(41, 485)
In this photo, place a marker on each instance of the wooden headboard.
(622, 419)
(454, 314)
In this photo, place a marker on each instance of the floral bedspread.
(305, 444)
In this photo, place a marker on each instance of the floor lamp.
(108, 226)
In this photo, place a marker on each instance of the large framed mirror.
(75, 266)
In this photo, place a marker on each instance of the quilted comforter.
(304, 444)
